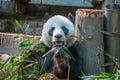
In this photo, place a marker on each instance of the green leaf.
(33, 71)
(26, 43)
(26, 28)
(40, 47)
(95, 78)
(57, 51)
(31, 76)
(6, 62)
(20, 74)
(105, 74)
(16, 63)
(18, 37)
(30, 61)
(12, 76)
(43, 66)
(65, 53)
(12, 58)
(25, 55)
(19, 25)
(36, 62)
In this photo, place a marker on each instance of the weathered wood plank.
(89, 23)
(75, 3)
(9, 44)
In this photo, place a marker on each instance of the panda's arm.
(77, 58)
(74, 52)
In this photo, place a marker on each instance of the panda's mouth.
(59, 43)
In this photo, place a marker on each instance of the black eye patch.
(50, 32)
(65, 30)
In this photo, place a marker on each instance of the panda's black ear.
(46, 17)
(71, 18)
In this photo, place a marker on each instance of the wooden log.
(9, 44)
(88, 26)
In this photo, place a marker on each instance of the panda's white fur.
(57, 22)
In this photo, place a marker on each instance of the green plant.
(15, 68)
(23, 29)
(103, 75)
(20, 67)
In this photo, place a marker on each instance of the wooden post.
(89, 24)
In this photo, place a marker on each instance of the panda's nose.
(58, 36)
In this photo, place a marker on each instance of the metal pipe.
(112, 25)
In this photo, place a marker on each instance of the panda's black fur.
(75, 67)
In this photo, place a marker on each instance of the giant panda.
(58, 31)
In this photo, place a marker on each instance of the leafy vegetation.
(23, 29)
(104, 75)
(15, 68)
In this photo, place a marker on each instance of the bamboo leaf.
(26, 43)
(13, 75)
(26, 28)
(25, 55)
(43, 66)
(57, 51)
(18, 37)
(65, 53)
(19, 25)
(105, 74)
(16, 64)
(32, 71)
(20, 75)
(6, 62)
(95, 78)
(40, 47)
(30, 61)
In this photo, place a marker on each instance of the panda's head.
(58, 31)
